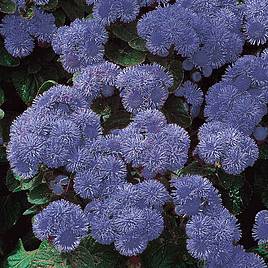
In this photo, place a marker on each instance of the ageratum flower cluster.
(60, 131)
(63, 223)
(240, 99)
(80, 44)
(256, 26)
(109, 11)
(130, 217)
(221, 144)
(207, 34)
(144, 87)
(19, 33)
(211, 230)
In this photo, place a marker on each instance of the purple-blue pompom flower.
(193, 194)
(63, 223)
(143, 87)
(221, 144)
(80, 44)
(260, 228)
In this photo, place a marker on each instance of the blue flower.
(260, 228)
(260, 133)
(153, 194)
(97, 79)
(108, 11)
(62, 222)
(221, 144)
(143, 87)
(193, 194)
(80, 44)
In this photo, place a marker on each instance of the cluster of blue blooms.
(63, 223)
(20, 33)
(144, 87)
(130, 217)
(109, 11)
(221, 144)
(206, 33)
(260, 228)
(212, 231)
(80, 44)
(240, 99)
(256, 26)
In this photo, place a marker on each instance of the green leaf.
(31, 211)
(34, 68)
(123, 54)
(10, 211)
(138, 44)
(3, 155)
(125, 32)
(177, 111)
(7, 60)
(2, 96)
(263, 151)
(25, 85)
(44, 256)
(60, 17)
(12, 184)
(195, 168)
(93, 255)
(2, 114)
(7, 6)
(74, 8)
(46, 85)
(39, 195)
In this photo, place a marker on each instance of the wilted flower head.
(63, 223)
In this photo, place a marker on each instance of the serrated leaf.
(125, 32)
(44, 256)
(138, 44)
(124, 55)
(2, 114)
(7, 60)
(177, 111)
(12, 184)
(39, 195)
(10, 211)
(7, 6)
(175, 68)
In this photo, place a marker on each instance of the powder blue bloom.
(97, 79)
(221, 144)
(260, 228)
(193, 194)
(260, 133)
(63, 223)
(81, 44)
(143, 87)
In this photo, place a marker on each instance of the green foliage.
(6, 59)
(177, 111)
(7, 6)
(44, 256)
(93, 255)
